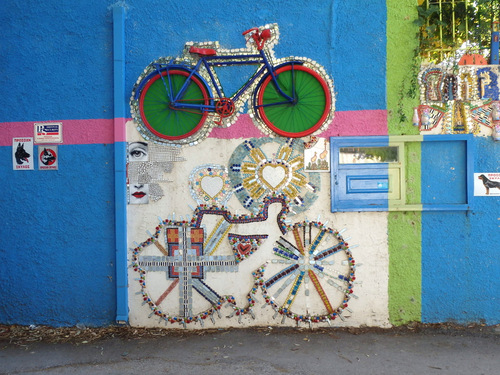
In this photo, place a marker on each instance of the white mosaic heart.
(212, 185)
(274, 175)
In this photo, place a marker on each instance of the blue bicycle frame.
(210, 61)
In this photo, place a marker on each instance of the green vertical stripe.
(404, 228)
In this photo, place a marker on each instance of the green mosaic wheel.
(160, 117)
(310, 110)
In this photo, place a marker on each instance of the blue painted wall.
(57, 240)
(460, 261)
(55, 60)
(57, 235)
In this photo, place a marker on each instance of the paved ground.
(258, 351)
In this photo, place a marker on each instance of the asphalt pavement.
(258, 351)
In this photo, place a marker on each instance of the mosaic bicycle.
(179, 100)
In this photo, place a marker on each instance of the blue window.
(370, 173)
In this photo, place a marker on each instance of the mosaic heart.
(245, 245)
(274, 176)
(210, 185)
(244, 248)
(255, 176)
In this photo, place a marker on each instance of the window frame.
(397, 190)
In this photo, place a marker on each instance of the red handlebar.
(259, 38)
(250, 30)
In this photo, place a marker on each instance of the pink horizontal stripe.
(75, 132)
(345, 123)
(353, 123)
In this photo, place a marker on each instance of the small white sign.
(48, 158)
(486, 184)
(48, 132)
(22, 153)
(317, 155)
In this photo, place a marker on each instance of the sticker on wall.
(317, 157)
(22, 153)
(48, 158)
(210, 184)
(255, 174)
(179, 100)
(147, 166)
(486, 184)
(49, 132)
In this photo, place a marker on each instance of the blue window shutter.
(358, 187)
(446, 174)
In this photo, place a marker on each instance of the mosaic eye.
(138, 151)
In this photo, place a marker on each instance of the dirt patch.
(24, 335)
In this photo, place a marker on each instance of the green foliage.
(445, 25)
(382, 154)
(409, 88)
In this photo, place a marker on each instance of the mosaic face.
(147, 165)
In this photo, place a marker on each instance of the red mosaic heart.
(244, 249)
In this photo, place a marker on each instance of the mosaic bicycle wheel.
(312, 109)
(150, 104)
(311, 277)
(172, 273)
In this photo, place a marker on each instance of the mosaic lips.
(139, 194)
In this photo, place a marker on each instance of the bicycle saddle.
(203, 51)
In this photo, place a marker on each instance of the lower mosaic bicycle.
(179, 100)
